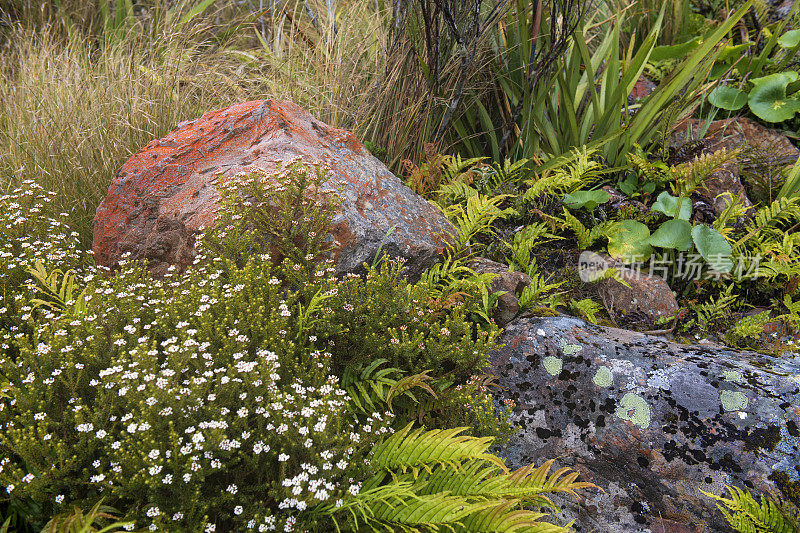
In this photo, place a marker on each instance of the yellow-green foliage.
(444, 480)
(768, 514)
(574, 172)
(585, 237)
(751, 327)
(691, 175)
(586, 308)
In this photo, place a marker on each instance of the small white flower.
(238, 510)
(153, 512)
(232, 488)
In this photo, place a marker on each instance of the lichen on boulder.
(649, 421)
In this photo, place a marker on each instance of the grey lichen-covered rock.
(649, 421)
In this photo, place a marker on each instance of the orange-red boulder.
(164, 194)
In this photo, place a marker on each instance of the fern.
(690, 176)
(715, 309)
(533, 292)
(443, 480)
(577, 171)
(586, 308)
(651, 171)
(524, 242)
(751, 327)
(476, 217)
(768, 218)
(369, 387)
(585, 237)
(747, 515)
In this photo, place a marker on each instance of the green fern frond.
(440, 480)
(370, 387)
(533, 293)
(587, 308)
(456, 191)
(503, 517)
(716, 308)
(693, 174)
(766, 222)
(476, 217)
(577, 171)
(652, 171)
(745, 514)
(524, 242)
(585, 237)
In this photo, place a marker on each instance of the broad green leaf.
(714, 247)
(673, 234)
(729, 98)
(668, 204)
(732, 53)
(677, 51)
(768, 99)
(790, 39)
(627, 240)
(587, 199)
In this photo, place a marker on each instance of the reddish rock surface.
(165, 193)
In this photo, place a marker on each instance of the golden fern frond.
(504, 518)
(748, 515)
(416, 449)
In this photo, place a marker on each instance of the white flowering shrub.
(211, 399)
(27, 234)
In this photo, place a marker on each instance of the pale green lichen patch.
(796, 378)
(733, 400)
(553, 365)
(634, 408)
(734, 376)
(603, 377)
(569, 349)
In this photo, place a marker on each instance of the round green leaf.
(714, 247)
(627, 240)
(729, 98)
(587, 199)
(768, 99)
(790, 39)
(668, 204)
(674, 234)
